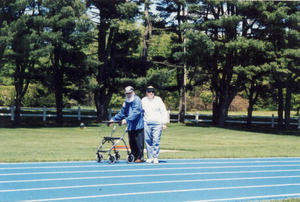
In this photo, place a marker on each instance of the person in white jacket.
(155, 120)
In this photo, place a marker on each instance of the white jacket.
(154, 110)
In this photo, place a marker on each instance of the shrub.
(7, 95)
(36, 96)
(238, 104)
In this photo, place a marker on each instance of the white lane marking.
(149, 175)
(154, 182)
(152, 169)
(48, 162)
(169, 191)
(190, 163)
(250, 197)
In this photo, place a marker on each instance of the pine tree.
(117, 39)
(68, 32)
(22, 48)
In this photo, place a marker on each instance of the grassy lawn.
(186, 141)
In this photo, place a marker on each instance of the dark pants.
(136, 142)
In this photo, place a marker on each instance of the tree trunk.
(99, 106)
(102, 102)
(249, 115)
(1, 56)
(215, 108)
(280, 107)
(58, 76)
(182, 105)
(225, 99)
(18, 87)
(17, 112)
(288, 106)
(181, 72)
(223, 115)
(148, 31)
(252, 101)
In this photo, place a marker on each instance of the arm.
(164, 115)
(121, 115)
(136, 110)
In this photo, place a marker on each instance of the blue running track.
(249, 179)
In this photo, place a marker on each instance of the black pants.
(136, 142)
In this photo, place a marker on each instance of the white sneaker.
(149, 160)
(155, 161)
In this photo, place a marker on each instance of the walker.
(114, 141)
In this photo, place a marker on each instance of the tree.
(281, 28)
(241, 51)
(68, 32)
(167, 8)
(254, 64)
(148, 30)
(291, 56)
(23, 48)
(118, 38)
(5, 19)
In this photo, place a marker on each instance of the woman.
(155, 120)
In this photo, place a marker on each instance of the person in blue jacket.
(132, 115)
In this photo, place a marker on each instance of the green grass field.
(184, 141)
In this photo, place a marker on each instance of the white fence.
(44, 113)
(272, 121)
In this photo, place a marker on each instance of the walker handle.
(110, 122)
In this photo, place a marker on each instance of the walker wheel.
(111, 159)
(99, 157)
(130, 158)
(118, 157)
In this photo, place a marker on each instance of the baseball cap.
(150, 89)
(128, 89)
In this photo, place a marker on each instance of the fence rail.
(197, 118)
(42, 112)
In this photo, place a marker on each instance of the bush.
(116, 101)
(36, 96)
(7, 95)
(238, 104)
(204, 102)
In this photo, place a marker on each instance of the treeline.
(75, 49)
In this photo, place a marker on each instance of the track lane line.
(149, 175)
(163, 192)
(143, 183)
(126, 165)
(151, 169)
(250, 197)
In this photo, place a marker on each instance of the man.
(132, 114)
(155, 120)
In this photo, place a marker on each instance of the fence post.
(79, 113)
(299, 122)
(109, 114)
(44, 113)
(272, 120)
(12, 108)
(197, 117)
(169, 116)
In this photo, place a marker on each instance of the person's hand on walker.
(124, 122)
(110, 124)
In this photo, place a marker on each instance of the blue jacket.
(134, 114)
